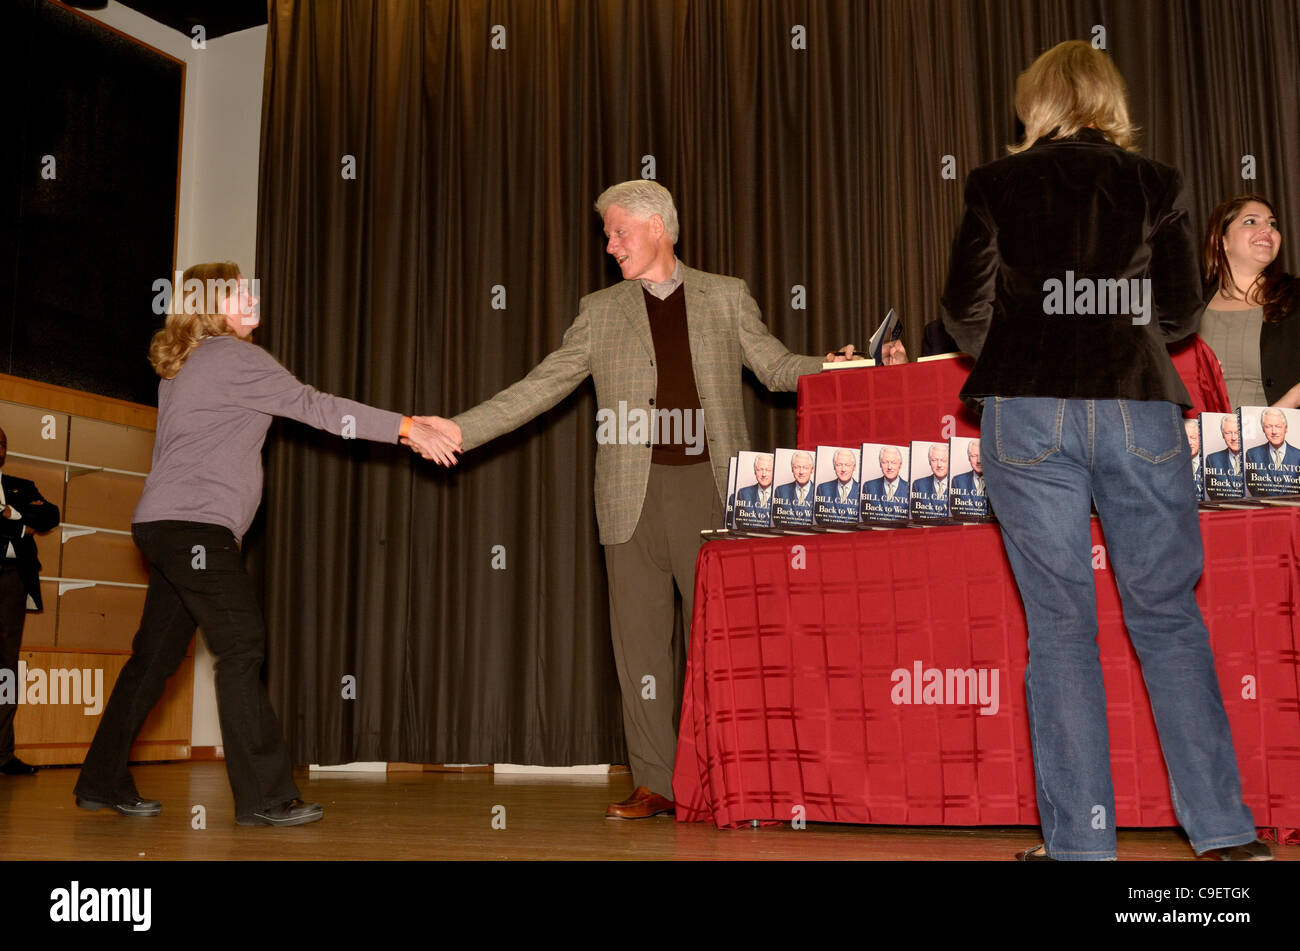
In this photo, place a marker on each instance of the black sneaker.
(291, 812)
(128, 807)
(16, 767)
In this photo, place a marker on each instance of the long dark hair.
(1276, 289)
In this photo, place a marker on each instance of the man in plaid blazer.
(666, 345)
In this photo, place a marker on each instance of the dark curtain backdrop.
(476, 169)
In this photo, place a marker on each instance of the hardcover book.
(793, 488)
(1270, 443)
(729, 517)
(1193, 429)
(1221, 459)
(837, 501)
(967, 495)
(929, 478)
(753, 490)
(890, 329)
(885, 482)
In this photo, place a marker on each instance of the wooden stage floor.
(449, 816)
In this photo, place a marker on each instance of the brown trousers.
(680, 502)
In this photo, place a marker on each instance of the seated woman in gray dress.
(1252, 321)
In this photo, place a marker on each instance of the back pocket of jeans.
(1153, 430)
(1026, 429)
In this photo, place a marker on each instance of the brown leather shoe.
(642, 804)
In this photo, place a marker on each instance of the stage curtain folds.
(425, 233)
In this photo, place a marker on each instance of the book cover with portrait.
(793, 488)
(837, 501)
(1222, 463)
(753, 490)
(1192, 427)
(1270, 444)
(967, 494)
(885, 483)
(929, 478)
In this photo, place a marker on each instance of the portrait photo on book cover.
(930, 480)
(753, 489)
(1222, 462)
(967, 495)
(1269, 438)
(885, 482)
(838, 497)
(794, 491)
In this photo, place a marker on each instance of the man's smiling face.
(633, 242)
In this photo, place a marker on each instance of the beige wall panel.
(51, 734)
(30, 431)
(39, 628)
(108, 444)
(102, 499)
(104, 557)
(100, 618)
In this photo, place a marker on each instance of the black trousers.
(198, 578)
(13, 612)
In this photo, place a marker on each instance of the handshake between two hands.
(439, 439)
(434, 438)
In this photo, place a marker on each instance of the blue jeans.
(1045, 461)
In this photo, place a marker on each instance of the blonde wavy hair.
(187, 324)
(1068, 88)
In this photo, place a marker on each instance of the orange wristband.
(405, 431)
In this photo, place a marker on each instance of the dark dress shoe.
(16, 767)
(291, 812)
(1037, 854)
(1256, 851)
(127, 807)
(642, 804)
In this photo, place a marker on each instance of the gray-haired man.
(668, 338)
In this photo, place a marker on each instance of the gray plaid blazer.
(610, 341)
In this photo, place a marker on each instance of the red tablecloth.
(788, 696)
(919, 400)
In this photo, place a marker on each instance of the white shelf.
(72, 584)
(77, 468)
(76, 531)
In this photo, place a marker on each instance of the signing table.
(801, 697)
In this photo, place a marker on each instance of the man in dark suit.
(760, 493)
(1224, 469)
(798, 492)
(1273, 468)
(890, 491)
(794, 500)
(971, 483)
(754, 502)
(22, 512)
(840, 494)
(935, 485)
(1193, 429)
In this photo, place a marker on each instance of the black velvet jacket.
(1279, 354)
(1051, 229)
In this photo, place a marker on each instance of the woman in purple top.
(216, 399)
